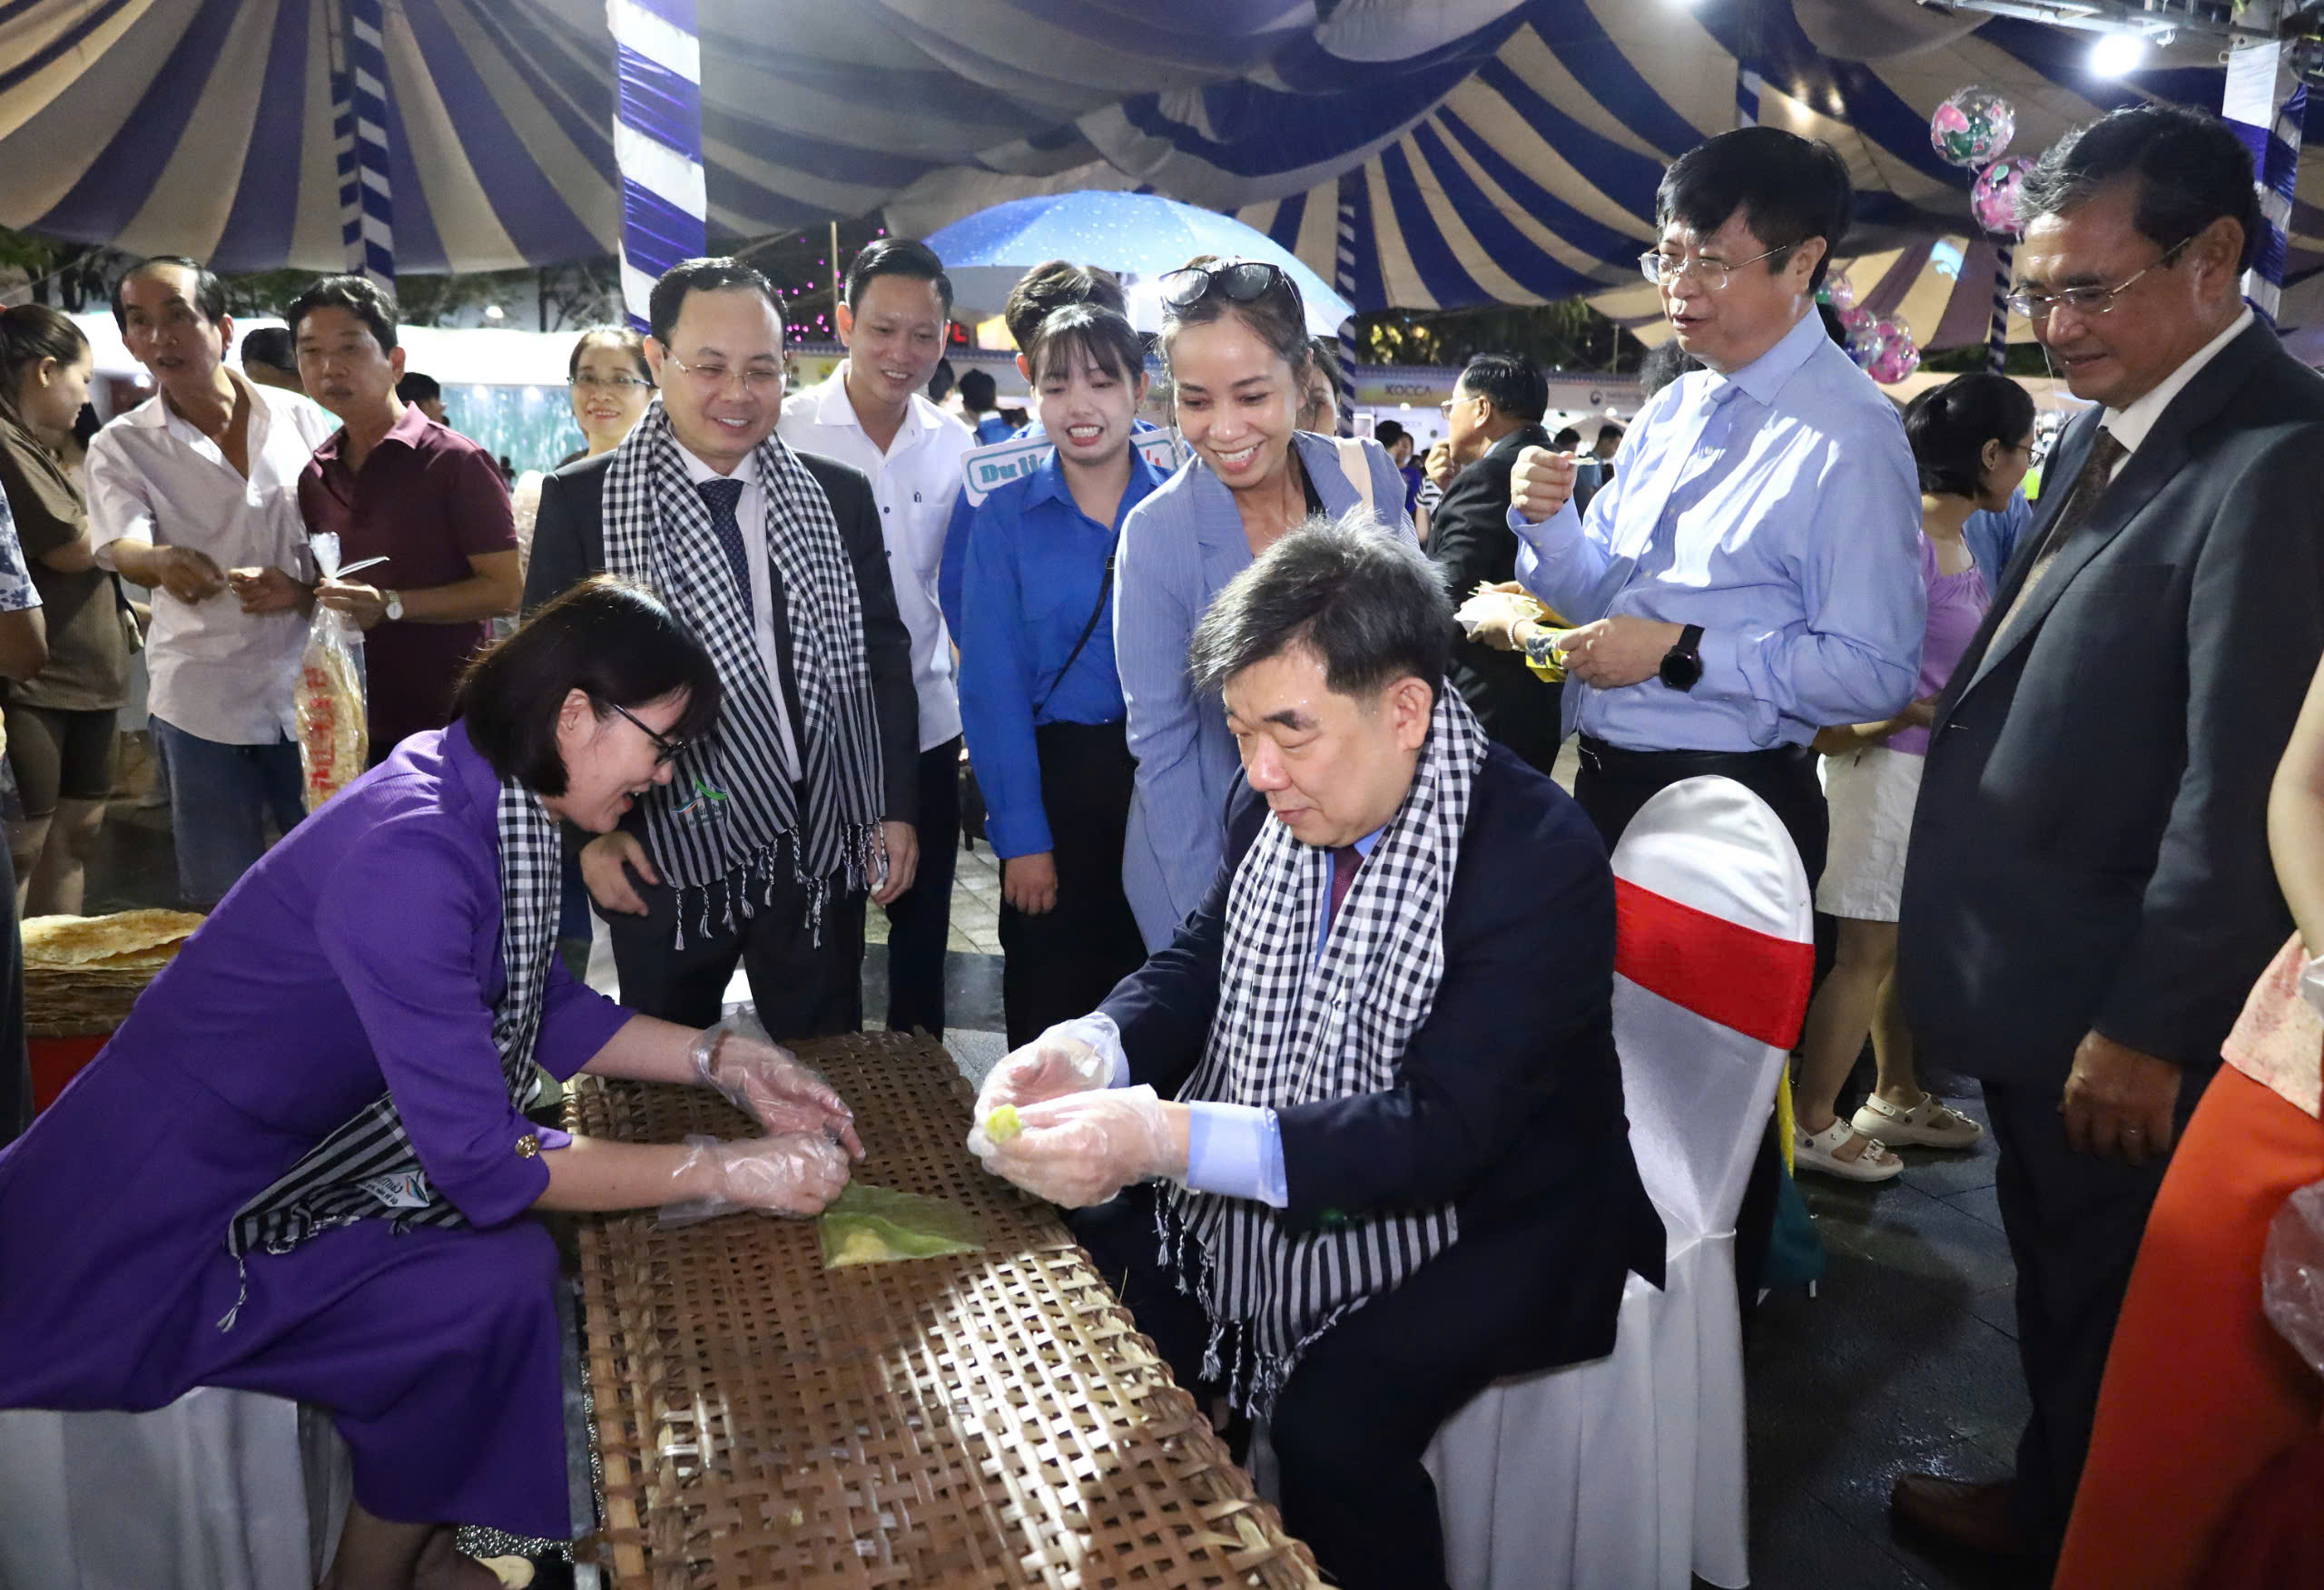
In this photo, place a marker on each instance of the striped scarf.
(1292, 1029)
(366, 1168)
(717, 830)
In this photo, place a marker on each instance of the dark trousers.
(1060, 964)
(805, 983)
(919, 920)
(2074, 1222)
(1613, 785)
(1365, 1400)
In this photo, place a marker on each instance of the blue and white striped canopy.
(1480, 151)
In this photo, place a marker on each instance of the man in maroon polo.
(393, 484)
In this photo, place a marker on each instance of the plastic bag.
(2291, 1274)
(879, 1226)
(334, 731)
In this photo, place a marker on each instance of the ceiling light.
(2115, 54)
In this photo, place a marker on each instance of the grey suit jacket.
(569, 546)
(2090, 850)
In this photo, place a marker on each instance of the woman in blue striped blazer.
(1234, 340)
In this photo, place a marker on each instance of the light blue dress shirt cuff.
(1549, 535)
(1551, 561)
(1237, 1151)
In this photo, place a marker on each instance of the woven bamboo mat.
(990, 1419)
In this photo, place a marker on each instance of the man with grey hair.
(1388, 1132)
(2088, 896)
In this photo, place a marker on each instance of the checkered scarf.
(1292, 1027)
(716, 829)
(366, 1168)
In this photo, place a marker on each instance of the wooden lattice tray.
(993, 1419)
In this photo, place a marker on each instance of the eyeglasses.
(2085, 301)
(712, 378)
(1662, 269)
(611, 383)
(1241, 282)
(666, 750)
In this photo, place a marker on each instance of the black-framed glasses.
(611, 383)
(666, 750)
(2085, 300)
(1239, 282)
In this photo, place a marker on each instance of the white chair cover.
(221, 1490)
(1628, 1473)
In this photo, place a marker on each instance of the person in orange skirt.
(2201, 1395)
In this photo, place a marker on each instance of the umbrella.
(1137, 236)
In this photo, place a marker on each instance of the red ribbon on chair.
(1722, 971)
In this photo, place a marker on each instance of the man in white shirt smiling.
(194, 493)
(871, 415)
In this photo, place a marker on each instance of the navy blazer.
(2090, 850)
(1510, 1101)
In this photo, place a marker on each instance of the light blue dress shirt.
(1179, 548)
(1992, 537)
(1779, 508)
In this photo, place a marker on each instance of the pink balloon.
(1839, 292)
(1995, 199)
(1972, 127)
(1897, 355)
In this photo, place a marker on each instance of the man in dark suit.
(1397, 1159)
(2088, 896)
(763, 849)
(1495, 414)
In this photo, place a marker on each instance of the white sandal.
(1820, 1151)
(1930, 1123)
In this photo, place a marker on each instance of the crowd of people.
(1308, 960)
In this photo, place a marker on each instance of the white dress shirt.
(217, 672)
(2130, 425)
(914, 482)
(750, 518)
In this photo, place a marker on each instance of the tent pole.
(1997, 329)
(657, 71)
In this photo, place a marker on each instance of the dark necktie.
(720, 497)
(1346, 860)
(2090, 483)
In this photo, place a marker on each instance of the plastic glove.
(796, 1173)
(1073, 1056)
(764, 1080)
(1085, 1147)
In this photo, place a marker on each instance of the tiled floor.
(1906, 1358)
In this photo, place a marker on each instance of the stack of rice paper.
(82, 974)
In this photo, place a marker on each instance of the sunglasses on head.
(1240, 281)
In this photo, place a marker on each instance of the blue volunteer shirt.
(1033, 566)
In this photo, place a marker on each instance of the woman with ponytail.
(61, 720)
(1972, 441)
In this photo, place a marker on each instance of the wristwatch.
(1682, 664)
(395, 614)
